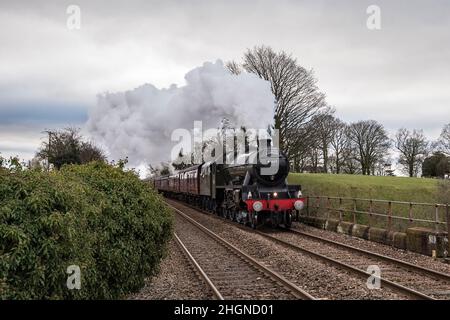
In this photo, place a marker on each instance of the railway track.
(419, 281)
(229, 272)
(433, 273)
(216, 294)
(411, 280)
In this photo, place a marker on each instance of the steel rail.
(202, 273)
(363, 274)
(293, 288)
(405, 264)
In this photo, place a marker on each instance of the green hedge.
(106, 221)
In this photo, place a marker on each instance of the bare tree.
(234, 67)
(350, 163)
(314, 158)
(371, 143)
(444, 140)
(323, 124)
(413, 148)
(299, 162)
(296, 93)
(339, 144)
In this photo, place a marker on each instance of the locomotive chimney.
(235, 147)
(263, 147)
(264, 143)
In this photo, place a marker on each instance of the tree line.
(316, 140)
(333, 146)
(364, 147)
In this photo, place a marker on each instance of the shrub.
(105, 220)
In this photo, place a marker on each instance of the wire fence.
(390, 215)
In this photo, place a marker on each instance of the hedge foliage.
(105, 220)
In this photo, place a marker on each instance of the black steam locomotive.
(239, 191)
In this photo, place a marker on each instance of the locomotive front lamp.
(257, 206)
(299, 205)
(275, 194)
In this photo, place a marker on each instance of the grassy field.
(373, 187)
(370, 187)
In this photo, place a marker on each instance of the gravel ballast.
(177, 280)
(408, 256)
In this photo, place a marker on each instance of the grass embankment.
(368, 187)
(420, 190)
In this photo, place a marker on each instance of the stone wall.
(421, 240)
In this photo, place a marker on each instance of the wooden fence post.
(307, 206)
(436, 218)
(328, 208)
(448, 228)
(389, 216)
(410, 214)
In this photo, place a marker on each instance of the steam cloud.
(139, 123)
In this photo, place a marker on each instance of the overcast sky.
(50, 75)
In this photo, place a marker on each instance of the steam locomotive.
(240, 191)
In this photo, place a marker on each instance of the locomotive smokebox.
(278, 176)
(270, 157)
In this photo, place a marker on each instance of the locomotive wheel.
(287, 220)
(253, 222)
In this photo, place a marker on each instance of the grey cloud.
(42, 114)
(397, 75)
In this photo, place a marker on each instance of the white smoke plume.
(138, 123)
